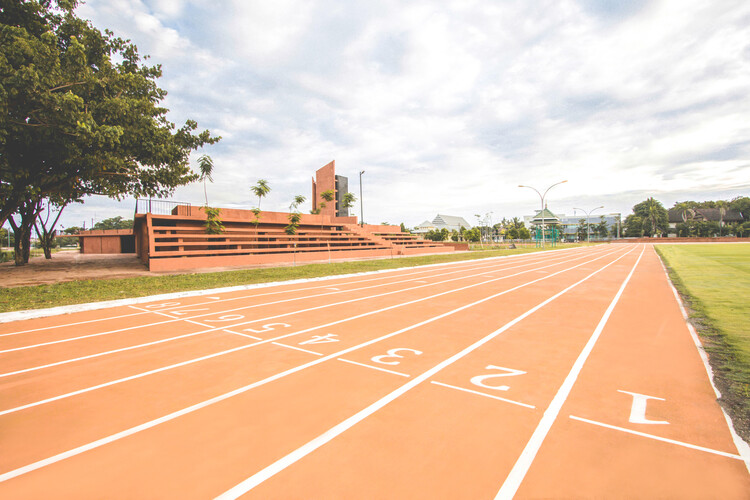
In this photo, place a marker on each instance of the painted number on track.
(159, 306)
(226, 317)
(509, 372)
(266, 328)
(638, 409)
(393, 353)
(321, 339)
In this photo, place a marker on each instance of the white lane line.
(286, 461)
(657, 438)
(98, 354)
(240, 334)
(521, 467)
(76, 323)
(373, 367)
(221, 353)
(483, 394)
(56, 311)
(742, 447)
(93, 306)
(296, 348)
(268, 304)
(300, 311)
(147, 425)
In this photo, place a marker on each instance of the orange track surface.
(563, 374)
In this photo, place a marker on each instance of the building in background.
(449, 222)
(568, 224)
(326, 179)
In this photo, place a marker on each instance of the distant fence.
(158, 207)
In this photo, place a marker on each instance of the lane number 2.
(479, 380)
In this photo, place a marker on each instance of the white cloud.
(449, 106)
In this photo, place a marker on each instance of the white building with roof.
(449, 222)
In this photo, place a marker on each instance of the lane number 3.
(394, 354)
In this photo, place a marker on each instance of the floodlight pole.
(541, 197)
(361, 203)
(588, 226)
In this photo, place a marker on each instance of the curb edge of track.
(93, 306)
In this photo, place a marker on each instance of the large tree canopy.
(80, 114)
(653, 216)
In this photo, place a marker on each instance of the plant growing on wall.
(256, 213)
(214, 224)
(294, 215)
(327, 196)
(348, 201)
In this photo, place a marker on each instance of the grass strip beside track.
(78, 292)
(714, 280)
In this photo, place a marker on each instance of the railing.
(158, 207)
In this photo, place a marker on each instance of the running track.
(563, 374)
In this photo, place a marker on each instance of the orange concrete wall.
(247, 216)
(325, 179)
(379, 228)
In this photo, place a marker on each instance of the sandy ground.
(69, 265)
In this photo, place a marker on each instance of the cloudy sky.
(449, 105)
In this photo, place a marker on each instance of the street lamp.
(588, 227)
(541, 197)
(361, 203)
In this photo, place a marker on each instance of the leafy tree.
(348, 201)
(633, 226)
(653, 217)
(114, 223)
(524, 233)
(294, 216)
(79, 115)
(437, 235)
(404, 229)
(473, 235)
(214, 224)
(261, 189)
(741, 204)
(46, 235)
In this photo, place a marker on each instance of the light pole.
(361, 203)
(541, 197)
(588, 226)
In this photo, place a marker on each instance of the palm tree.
(722, 205)
(260, 190)
(653, 214)
(206, 167)
(298, 200)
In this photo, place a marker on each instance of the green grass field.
(716, 278)
(77, 292)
